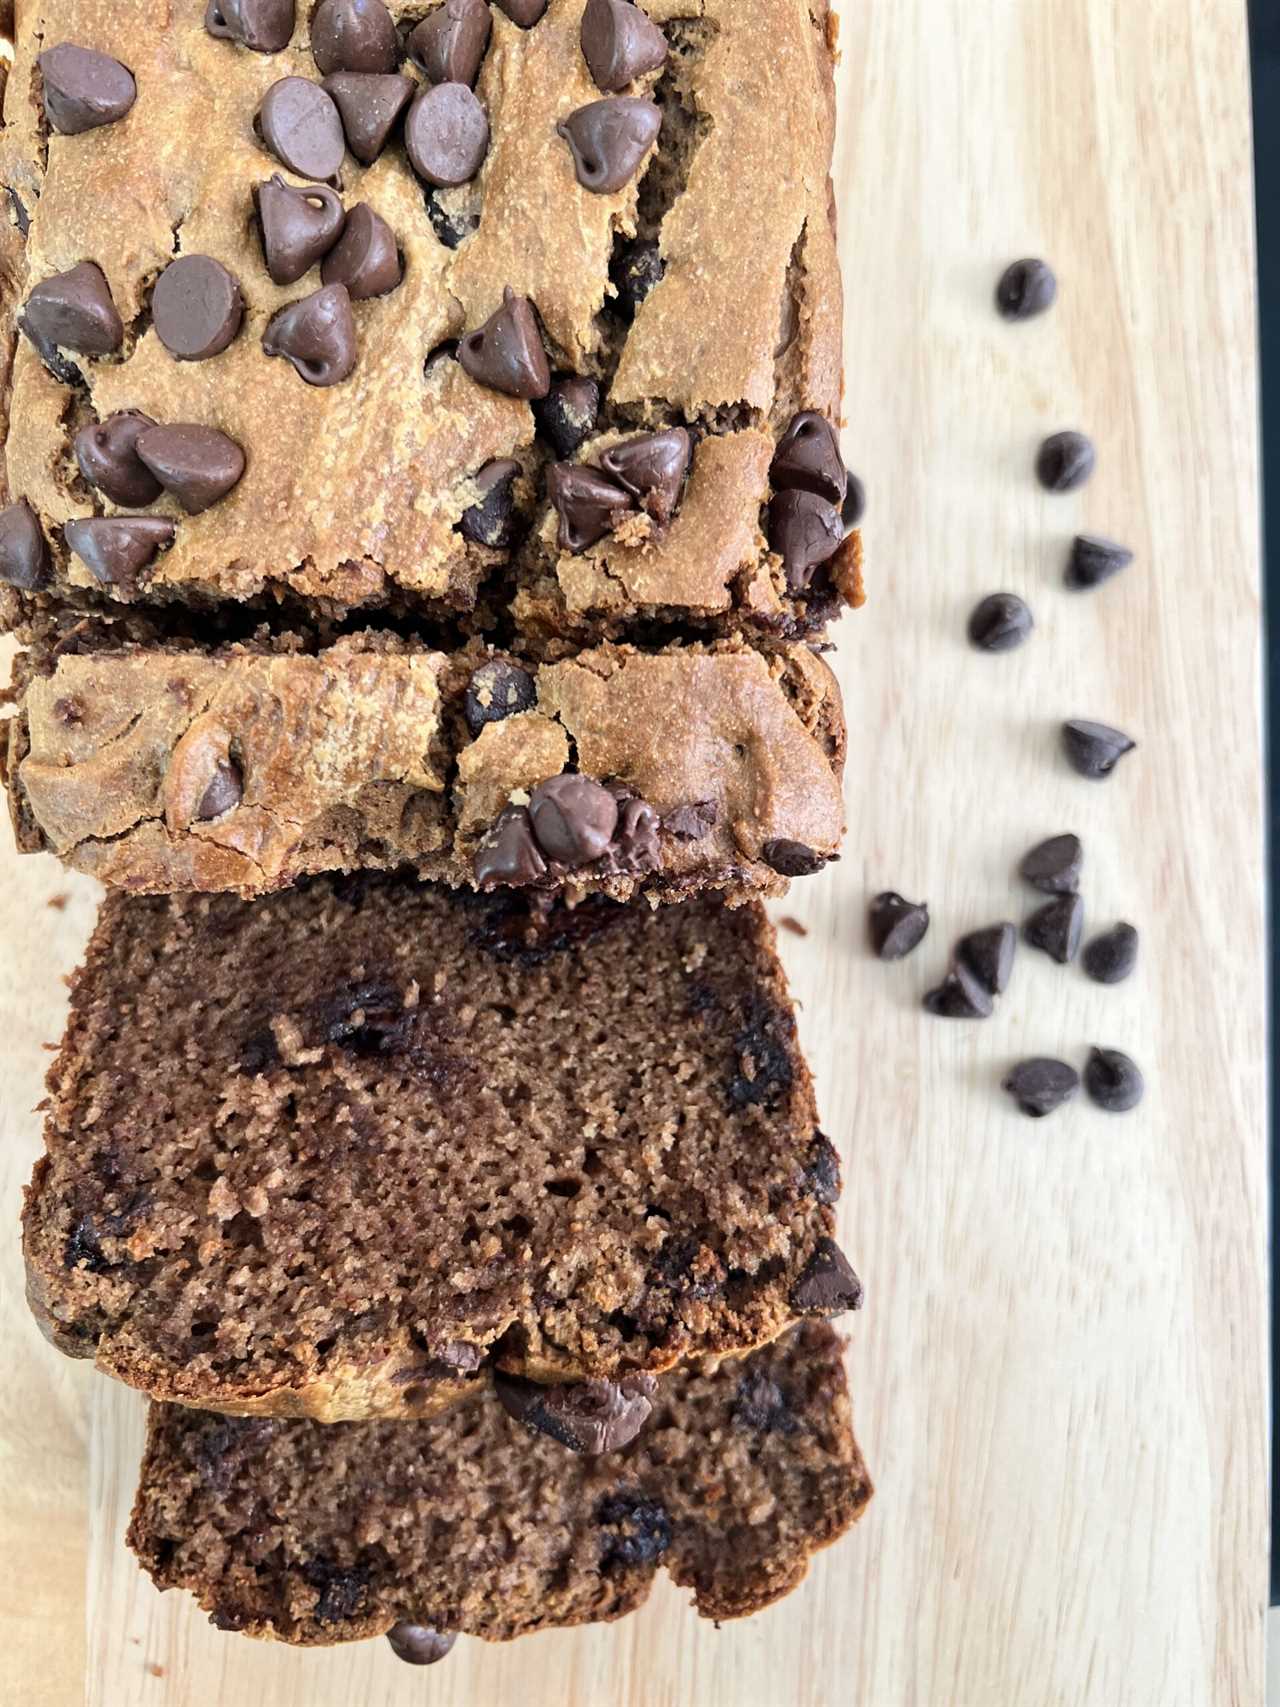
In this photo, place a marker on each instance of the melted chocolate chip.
(636, 848)
(108, 457)
(805, 531)
(897, 925)
(340, 1589)
(198, 465)
(446, 135)
(302, 127)
(317, 335)
(988, 954)
(637, 1531)
(691, 823)
(365, 258)
(73, 311)
(761, 1055)
(84, 89)
(492, 521)
(299, 226)
(620, 43)
(498, 689)
(265, 26)
(761, 1406)
(1040, 1085)
(792, 859)
(573, 818)
(368, 1018)
(1113, 1081)
(450, 43)
(1064, 462)
(567, 415)
(822, 1170)
(508, 854)
(636, 268)
(808, 459)
(224, 792)
(591, 1417)
(420, 1644)
(1094, 560)
(196, 307)
(1056, 928)
(506, 353)
(587, 502)
(83, 1249)
(961, 995)
(827, 1285)
(609, 139)
(1026, 288)
(1094, 749)
(24, 554)
(652, 468)
(1054, 865)
(369, 104)
(115, 549)
(1112, 955)
(523, 12)
(354, 35)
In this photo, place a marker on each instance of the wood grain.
(1060, 1373)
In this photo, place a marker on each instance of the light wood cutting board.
(1060, 1371)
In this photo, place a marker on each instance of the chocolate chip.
(652, 468)
(21, 217)
(620, 43)
(640, 1528)
(988, 954)
(634, 270)
(196, 307)
(636, 848)
(498, 689)
(84, 89)
(1000, 622)
(508, 854)
(827, 1285)
(302, 127)
(419, 1644)
(449, 44)
(263, 25)
(523, 12)
(198, 465)
(365, 258)
(1094, 749)
(446, 134)
(1026, 288)
(107, 454)
(317, 334)
(1113, 1081)
(492, 521)
(587, 502)
(855, 503)
(506, 353)
(1040, 1085)
(761, 1406)
(24, 555)
(566, 416)
(1112, 955)
(341, 1590)
(808, 459)
(791, 859)
(1054, 865)
(115, 549)
(354, 35)
(84, 1249)
(691, 823)
(1064, 461)
(609, 139)
(368, 103)
(1094, 560)
(225, 791)
(897, 926)
(573, 818)
(961, 995)
(761, 1071)
(822, 1170)
(451, 226)
(299, 226)
(805, 531)
(1056, 928)
(591, 1417)
(74, 311)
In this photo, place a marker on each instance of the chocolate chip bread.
(158, 767)
(318, 1152)
(317, 1535)
(347, 306)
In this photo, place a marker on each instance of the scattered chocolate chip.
(808, 459)
(1112, 955)
(365, 258)
(198, 465)
(691, 823)
(84, 89)
(492, 521)
(1026, 288)
(317, 334)
(449, 44)
(73, 311)
(591, 1417)
(24, 554)
(523, 12)
(419, 1644)
(1094, 560)
(587, 502)
(196, 307)
(573, 818)
(1094, 749)
(620, 43)
(897, 926)
(302, 127)
(1056, 928)
(566, 416)
(652, 468)
(961, 995)
(827, 1285)
(639, 1528)
(508, 854)
(299, 226)
(1000, 622)
(634, 270)
(107, 454)
(1113, 1081)
(368, 103)
(1064, 461)
(354, 35)
(791, 859)
(988, 953)
(115, 549)
(855, 503)
(609, 139)
(1054, 865)
(822, 1170)
(265, 26)
(1040, 1085)
(805, 531)
(498, 689)
(224, 793)
(506, 353)
(446, 134)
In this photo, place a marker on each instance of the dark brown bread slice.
(315, 1153)
(316, 1535)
